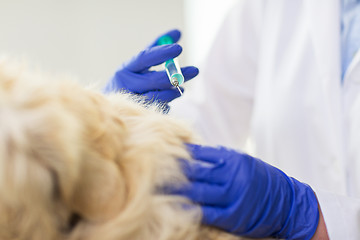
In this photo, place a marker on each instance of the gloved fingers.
(174, 34)
(207, 154)
(204, 194)
(163, 95)
(158, 80)
(141, 83)
(151, 81)
(189, 72)
(212, 215)
(224, 218)
(153, 56)
(205, 172)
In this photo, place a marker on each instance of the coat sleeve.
(341, 215)
(220, 107)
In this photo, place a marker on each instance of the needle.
(179, 90)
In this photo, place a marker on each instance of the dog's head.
(75, 164)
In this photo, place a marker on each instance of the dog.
(76, 164)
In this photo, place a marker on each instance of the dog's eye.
(73, 221)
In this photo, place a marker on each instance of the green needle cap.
(166, 39)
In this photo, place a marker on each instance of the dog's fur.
(75, 164)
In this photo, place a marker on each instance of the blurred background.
(90, 39)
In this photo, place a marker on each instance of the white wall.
(91, 38)
(85, 38)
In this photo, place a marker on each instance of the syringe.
(172, 66)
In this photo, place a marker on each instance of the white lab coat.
(273, 73)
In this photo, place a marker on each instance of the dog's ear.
(100, 191)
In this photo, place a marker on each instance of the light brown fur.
(75, 164)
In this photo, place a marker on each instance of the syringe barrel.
(172, 67)
(174, 72)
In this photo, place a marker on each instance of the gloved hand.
(136, 77)
(248, 197)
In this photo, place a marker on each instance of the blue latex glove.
(248, 197)
(136, 77)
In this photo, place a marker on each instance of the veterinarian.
(287, 75)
